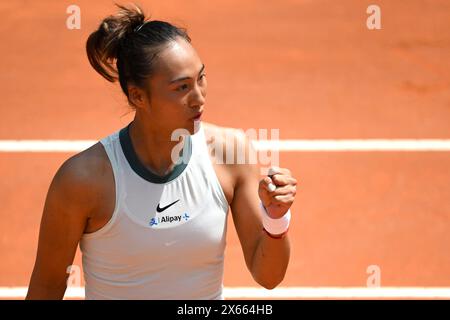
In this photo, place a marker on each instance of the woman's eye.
(185, 86)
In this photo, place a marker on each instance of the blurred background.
(314, 70)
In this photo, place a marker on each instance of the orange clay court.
(310, 68)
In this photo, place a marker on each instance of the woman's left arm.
(266, 257)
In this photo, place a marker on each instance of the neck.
(153, 145)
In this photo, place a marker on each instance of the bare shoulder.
(86, 176)
(230, 139)
(236, 150)
(87, 166)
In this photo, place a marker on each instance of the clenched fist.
(277, 191)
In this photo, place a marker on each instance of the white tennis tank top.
(166, 237)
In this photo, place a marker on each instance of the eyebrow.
(185, 78)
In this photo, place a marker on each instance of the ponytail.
(125, 44)
(103, 45)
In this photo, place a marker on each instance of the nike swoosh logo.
(159, 209)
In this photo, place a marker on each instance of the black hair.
(125, 44)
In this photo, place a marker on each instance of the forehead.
(177, 59)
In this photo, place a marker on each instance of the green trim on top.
(141, 170)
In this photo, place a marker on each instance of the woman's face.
(177, 88)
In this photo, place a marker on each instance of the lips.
(197, 116)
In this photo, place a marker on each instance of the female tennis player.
(151, 226)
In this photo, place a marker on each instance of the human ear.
(136, 96)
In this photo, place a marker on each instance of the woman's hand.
(277, 191)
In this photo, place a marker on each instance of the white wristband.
(275, 226)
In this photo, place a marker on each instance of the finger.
(284, 199)
(273, 170)
(271, 186)
(282, 180)
(277, 170)
(268, 184)
(289, 189)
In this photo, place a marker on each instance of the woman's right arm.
(69, 203)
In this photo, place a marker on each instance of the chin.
(191, 127)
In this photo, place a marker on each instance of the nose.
(198, 96)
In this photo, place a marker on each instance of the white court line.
(287, 292)
(280, 145)
(356, 145)
(45, 145)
